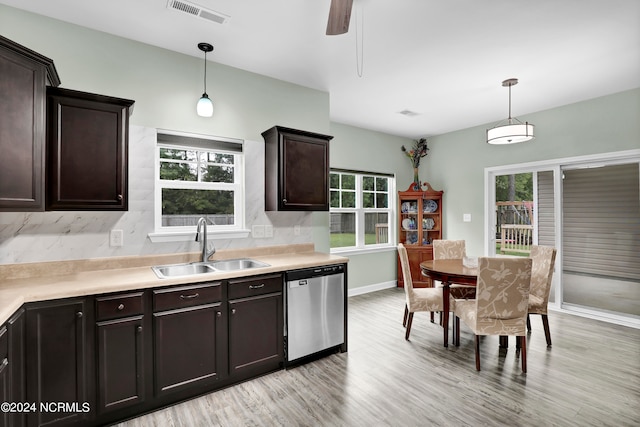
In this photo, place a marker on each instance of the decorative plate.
(430, 206)
(428, 223)
(406, 224)
(405, 207)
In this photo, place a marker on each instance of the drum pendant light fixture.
(512, 130)
(205, 106)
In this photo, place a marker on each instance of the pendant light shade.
(512, 130)
(205, 106)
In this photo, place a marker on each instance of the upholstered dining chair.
(453, 249)
(501, 304)
(544, 258)
(418, 299)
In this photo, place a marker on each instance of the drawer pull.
(192, 296)
(219, 314)
(256, 286)
(139, 329)
(233, 311)
(79, 314)
(121, 307)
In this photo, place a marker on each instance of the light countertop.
(30, 282)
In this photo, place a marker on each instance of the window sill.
(185, 236)
(362, 251)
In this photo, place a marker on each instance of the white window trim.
(360, 247)
(181, 234)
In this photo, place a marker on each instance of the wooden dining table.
(449, 271)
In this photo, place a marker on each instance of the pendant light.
(205, 106)
(512, 130)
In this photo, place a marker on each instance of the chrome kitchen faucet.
(202, 223)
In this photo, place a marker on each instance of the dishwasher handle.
(297, 283)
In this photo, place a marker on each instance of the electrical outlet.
(296, 230)
(268, 230)
(116, 238)
(258, 231)
(466, 217)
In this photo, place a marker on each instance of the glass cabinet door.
(410, 222)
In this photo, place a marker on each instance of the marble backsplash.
(56, 236)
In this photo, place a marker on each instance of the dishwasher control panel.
(308, 273)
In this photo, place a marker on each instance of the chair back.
(449, 249)
(406, 274)
(502, 295)
(544, 258)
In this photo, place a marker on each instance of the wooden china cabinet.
(419, 223)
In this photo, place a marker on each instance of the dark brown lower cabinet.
(121, 363)
(17, 380)
(5, 390)
(60, 360)
(255, 325)
(188, 347)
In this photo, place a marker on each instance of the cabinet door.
(188, 345)
(255, 334)
(305, 173)
(58, 357)
(121, 360)
(5, 391)
(22, 131)
(87, 151)
(17, 379)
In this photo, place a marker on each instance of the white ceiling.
(442, 59)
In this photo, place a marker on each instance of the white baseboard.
(371, 288)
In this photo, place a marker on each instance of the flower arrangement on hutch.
(418, 151)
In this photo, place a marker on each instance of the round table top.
(449, 270)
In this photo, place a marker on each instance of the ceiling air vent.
(199, 11)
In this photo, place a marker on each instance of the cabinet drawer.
(4, 344)
(121, 305)
(186, 296)
(255, 286)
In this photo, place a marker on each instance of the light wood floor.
(590, 377)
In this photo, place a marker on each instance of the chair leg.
(409, 320)
(477, 352)
(406, 313)
(456, 332)
(440, 318)
(547, 333)
(528, 323)
(432, 317)
(523, 352)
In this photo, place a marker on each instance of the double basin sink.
(194, 268)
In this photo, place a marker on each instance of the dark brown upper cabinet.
(87, 151)
(296, 170)
(24, 75)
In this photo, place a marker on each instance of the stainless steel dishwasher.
(315, 312)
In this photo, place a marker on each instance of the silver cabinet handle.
(119, 196)
(121, 307)
(196, 295)
(233, 311)
(79, 314)
(139, 329)
(256, 286)
(218, 314)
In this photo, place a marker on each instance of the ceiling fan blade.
(339, 17)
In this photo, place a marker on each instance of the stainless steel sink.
(237, 264)
(190, 269)
(181, 270)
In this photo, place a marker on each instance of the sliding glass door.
(589, 209)
(601, 238)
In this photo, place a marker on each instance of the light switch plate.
(258, 231)
(466, 217)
